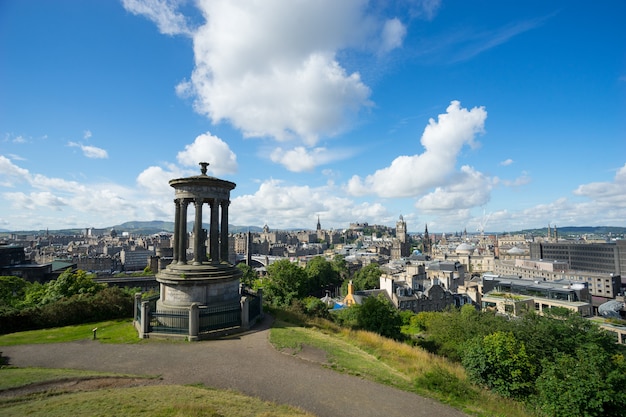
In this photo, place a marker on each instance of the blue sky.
(449, 113)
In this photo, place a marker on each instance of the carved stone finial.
(203, 166)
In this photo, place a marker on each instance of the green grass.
(385, 361)
(342, 355)
(113, 331)
(154, 401)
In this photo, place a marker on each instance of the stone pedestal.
(207, 284)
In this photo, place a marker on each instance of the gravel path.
(247, 363)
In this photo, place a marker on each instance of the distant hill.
(144, 228)
(134, 228)
(156, 226)
(578, 230)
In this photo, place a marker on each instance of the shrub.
(448, 384)
(110, 303)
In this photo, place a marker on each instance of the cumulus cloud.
(300, 159)
(286, 206)
(468, 188)
(270, 68)
(164, 13)
(443, 139)
(211, 149)
(155, 179)
(506, 162)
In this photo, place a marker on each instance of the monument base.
(207, 284)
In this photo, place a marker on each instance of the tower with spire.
(426, 247)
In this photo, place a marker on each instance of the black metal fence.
(171, 321)
(219, 317)
(254, 307)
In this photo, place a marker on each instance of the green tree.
(341, 267)
(34, 295)
(12, 290)
(320, 275)
(367, 278)
(315, 307)
(286, 282)
(378, 315)
(249, 275)
(70, 283)
(500, 362)
(588, 382)
(448, 332)
(562, 333)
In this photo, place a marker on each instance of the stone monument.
(208, 279)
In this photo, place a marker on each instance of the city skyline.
(460, 116)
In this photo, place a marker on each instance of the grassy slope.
(385, 361)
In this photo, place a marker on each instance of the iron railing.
(219, 317)
(175, 322)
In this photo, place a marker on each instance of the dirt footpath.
(247, 363)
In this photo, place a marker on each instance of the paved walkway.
(247, 363)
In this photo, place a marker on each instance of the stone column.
(182, 231)
(198, 235)
(245, 312)
(194, 322)
(224, 231)
(176, 231)
(145, 320)
(214, 247)
(137, 306)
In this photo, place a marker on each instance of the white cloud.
(92, 152)
(154, 180)
(23, 201)
(469, 188)
(162, 12)
(607, 193)
(11, 174)
(410, 176)
(300, 159)
(285, 206)
(269, 67)
(211, 149)
(506, 162)
(393, 35)
(86, 134)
